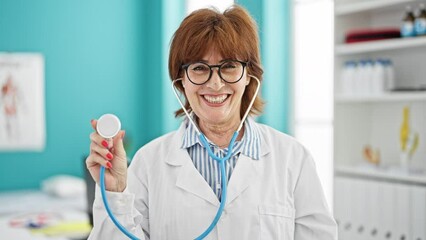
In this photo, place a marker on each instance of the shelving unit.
(375, 120)
(380, 45)
(386, 97)
(346, 8)
(389, 174)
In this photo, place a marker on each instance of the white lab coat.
(278, 196)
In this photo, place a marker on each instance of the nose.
(215, 82)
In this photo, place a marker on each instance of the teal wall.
(274, 22)
(110, 56)
(94, 63)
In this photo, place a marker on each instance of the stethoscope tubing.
(110, 214)
(223, 178)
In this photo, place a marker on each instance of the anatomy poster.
(22, 116)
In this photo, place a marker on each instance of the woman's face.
(216, 102)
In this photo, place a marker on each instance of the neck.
(220, 134)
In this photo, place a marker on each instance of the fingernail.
(122, 135)
(105, 144)
(109, 165)
(109, 156)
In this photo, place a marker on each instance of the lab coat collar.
(189, 179)
(179, 134)
(249, 144)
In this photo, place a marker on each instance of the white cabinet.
(378, 194)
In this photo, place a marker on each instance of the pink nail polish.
(105, 144)
(109, 156)
(109, 165)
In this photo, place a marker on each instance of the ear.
(248, 80)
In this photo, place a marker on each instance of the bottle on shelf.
(360, 76)
(389, 75)
(368, 77)
(407, 27)
(378, 77)
(420, 22)
(348, 77)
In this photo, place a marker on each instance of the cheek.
(190, 91)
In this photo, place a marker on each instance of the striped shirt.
(249, 145)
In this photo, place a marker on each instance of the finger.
(96, 159)
(98, 139)
(118, 143)
(105, 153)
(94, 122)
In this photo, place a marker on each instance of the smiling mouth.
(216, 99)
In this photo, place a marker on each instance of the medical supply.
(420, 22)
(109, 125)
(371, 34)
(409, 139)
(378, 77)
(347, 77)
(389, 77)
(372, 156)
(407, 27)
(367, 77)
(35, 220)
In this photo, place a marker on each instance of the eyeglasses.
(230, 71)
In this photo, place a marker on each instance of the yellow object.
(415, 144)
(81, 228)
(405, 129)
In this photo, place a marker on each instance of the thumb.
(118, 144)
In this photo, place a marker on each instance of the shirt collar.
(250, 143)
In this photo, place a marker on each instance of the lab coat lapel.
(242, 177)
(189, 179)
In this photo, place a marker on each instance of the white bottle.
(346, 79)
(389, 75)
(378, 77)
(359, 78)
(368, 82)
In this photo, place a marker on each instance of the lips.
(216, 99)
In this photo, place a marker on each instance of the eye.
(229, 65)
(199, 67)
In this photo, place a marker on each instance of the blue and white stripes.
(208, 167)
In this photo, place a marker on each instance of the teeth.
(215, 99)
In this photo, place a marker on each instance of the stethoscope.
(109, 125)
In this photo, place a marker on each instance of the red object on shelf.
(363, 35)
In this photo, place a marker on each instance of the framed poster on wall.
(22, 113)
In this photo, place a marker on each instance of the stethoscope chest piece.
(108, 125)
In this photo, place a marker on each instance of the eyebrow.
(221, 61)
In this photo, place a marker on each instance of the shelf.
(380, 45)
(387, 97)
(362, 6)
(392, 174)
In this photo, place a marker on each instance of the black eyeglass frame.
(218, 66)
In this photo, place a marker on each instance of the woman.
(172, 189)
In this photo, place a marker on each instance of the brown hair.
(233, 33)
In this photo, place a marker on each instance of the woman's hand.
(109, 153)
